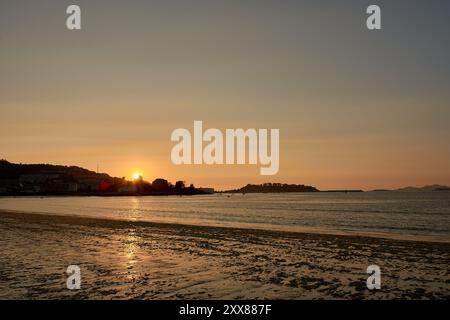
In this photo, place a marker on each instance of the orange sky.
(355, 109)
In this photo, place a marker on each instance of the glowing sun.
(136, 175)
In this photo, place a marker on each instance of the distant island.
(434, 187)
(430, 188)
(282, 188)
(285, 188)
(273, 188)
(47, 179)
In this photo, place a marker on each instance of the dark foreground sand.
(141, 260)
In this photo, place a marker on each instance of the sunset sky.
(355, 108)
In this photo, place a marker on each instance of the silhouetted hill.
(10, 170)
(46, 179)
(434, 187)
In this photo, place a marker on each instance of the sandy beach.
(144, 260)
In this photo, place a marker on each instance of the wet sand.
(144, 260)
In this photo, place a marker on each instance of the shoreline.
(284, 231)
(104, 194)
(142, 260)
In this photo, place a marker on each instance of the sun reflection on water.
(132, 239)
(133, 213)
(131, 252)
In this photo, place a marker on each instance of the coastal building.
(131, 188)
(61, 187)
(8, 186)
(37, 178)
(89, 183)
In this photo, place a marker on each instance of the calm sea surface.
(418, 213)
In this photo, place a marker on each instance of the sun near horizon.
(136, 175)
